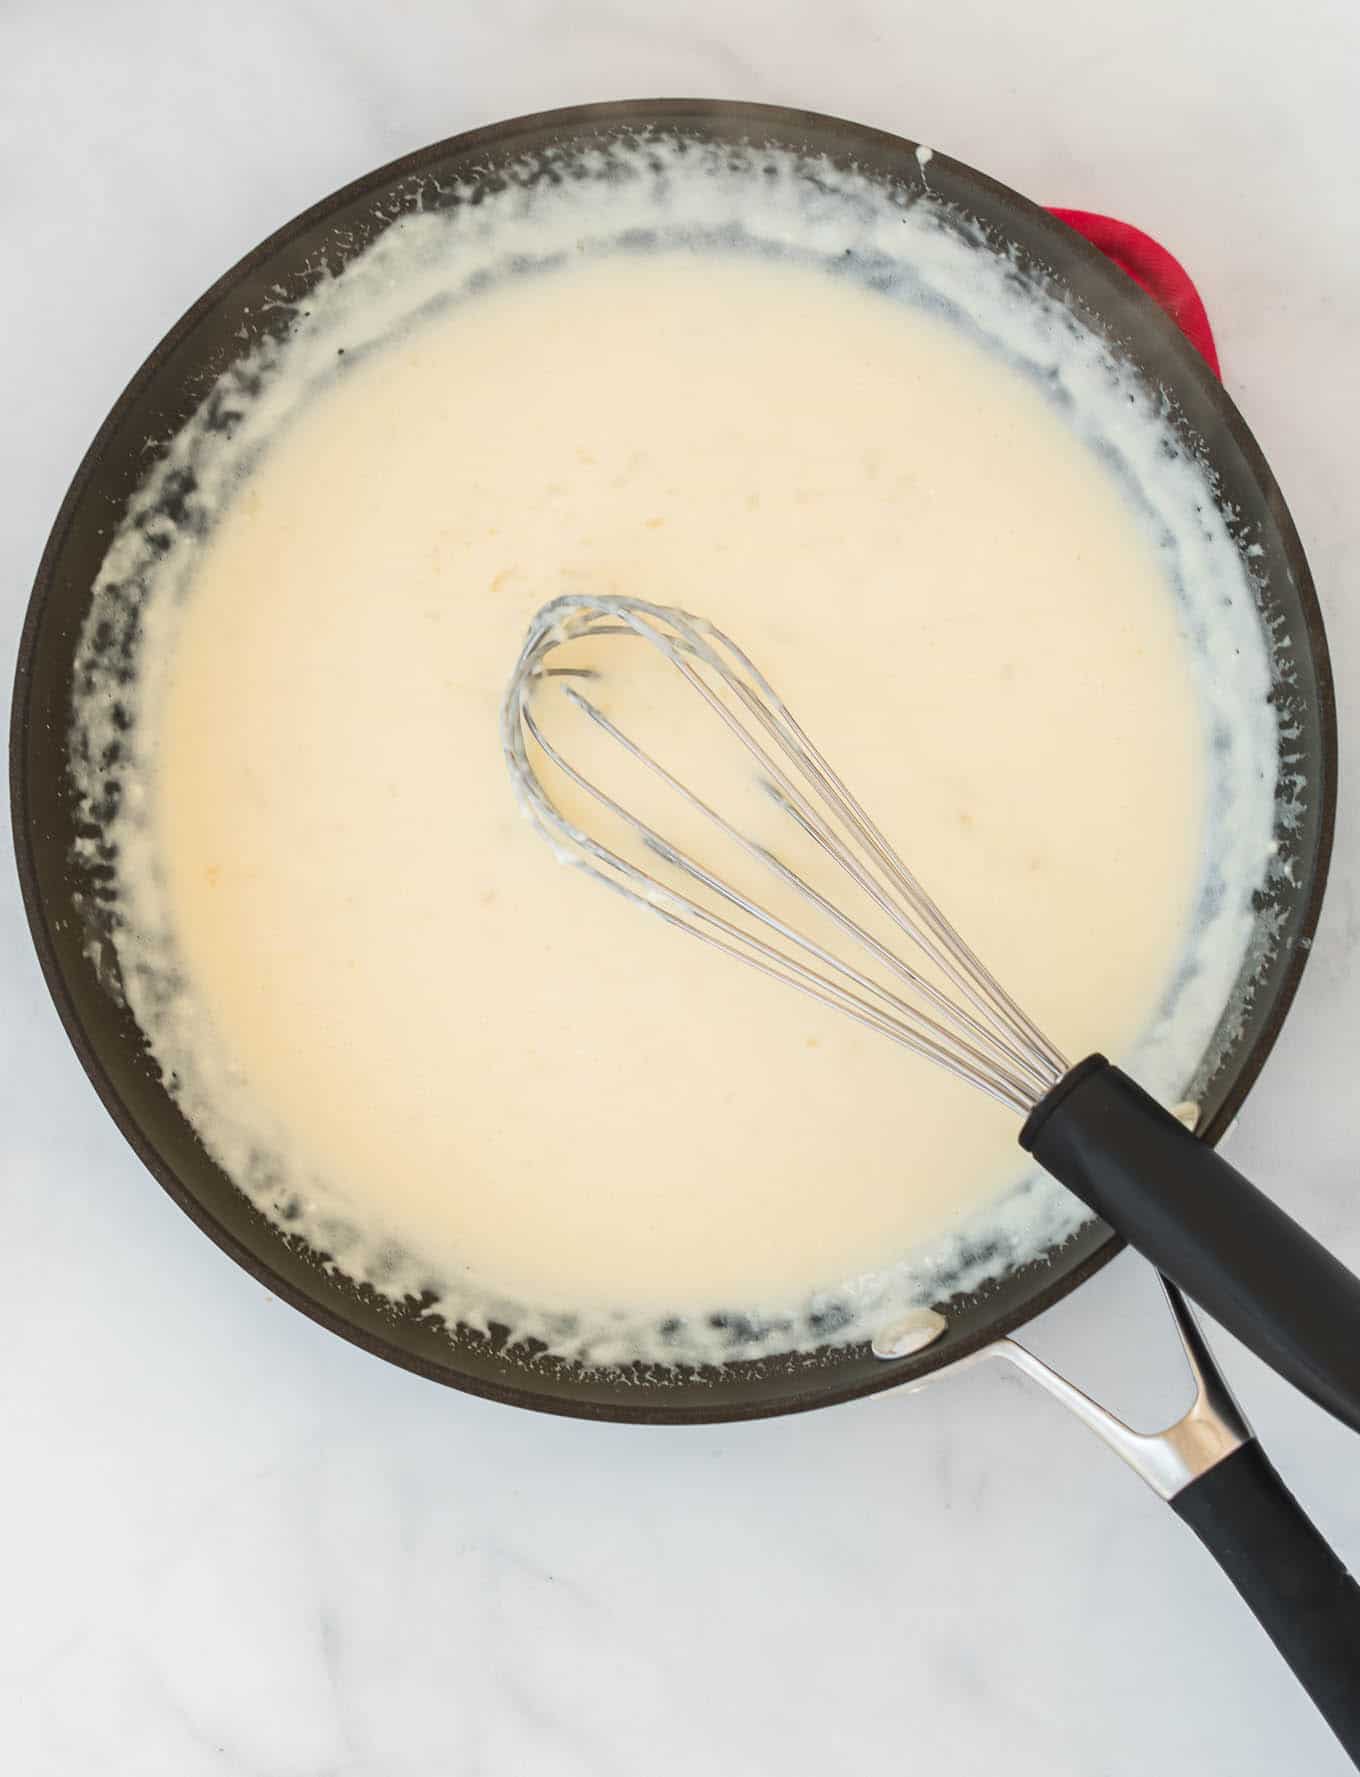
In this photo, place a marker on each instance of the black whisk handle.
(1227, 1245)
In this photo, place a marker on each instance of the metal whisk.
(1091, 1126)
(988, 1041)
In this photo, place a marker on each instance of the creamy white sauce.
(942, 520)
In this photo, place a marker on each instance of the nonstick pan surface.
(259, 295)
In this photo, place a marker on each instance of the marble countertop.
(233, 1544)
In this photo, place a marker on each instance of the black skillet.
(1235, 1503)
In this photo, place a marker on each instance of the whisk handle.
(1227, 1245)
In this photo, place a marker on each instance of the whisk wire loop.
(988, 1040)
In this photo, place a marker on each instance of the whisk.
(1090, 1125)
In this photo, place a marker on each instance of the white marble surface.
(233, 1544)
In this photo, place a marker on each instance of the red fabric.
(1148, 263)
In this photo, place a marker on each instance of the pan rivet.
(913, 1332)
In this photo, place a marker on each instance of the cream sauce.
(958, 532)
(487, 1057)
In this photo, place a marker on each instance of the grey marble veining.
(233, 1544)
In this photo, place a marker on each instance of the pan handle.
(1211, 1470)
(1297, 1587)
(1204, 1226)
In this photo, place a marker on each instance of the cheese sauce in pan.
(491, 1057)
(456, 1064)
